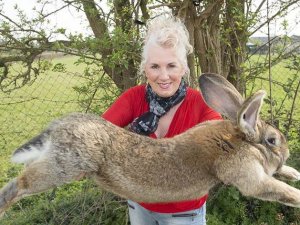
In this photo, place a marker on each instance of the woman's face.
(163, 70)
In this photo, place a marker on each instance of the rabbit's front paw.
(296, 174)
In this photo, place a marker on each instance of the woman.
(163, 108)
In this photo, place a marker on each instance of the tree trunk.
(234, 53)
(218, 51)
(204, 29)
(123, 76)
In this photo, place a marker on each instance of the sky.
(75, 21)
(276, 28)
(67, 18)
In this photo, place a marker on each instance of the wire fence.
(282, 83)
(26, 111)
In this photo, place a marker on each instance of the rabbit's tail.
(33, 149)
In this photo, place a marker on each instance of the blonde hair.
(167, 32)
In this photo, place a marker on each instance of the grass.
(77, 203)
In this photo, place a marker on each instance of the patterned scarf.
(147, 123)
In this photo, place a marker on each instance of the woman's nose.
(164, 74)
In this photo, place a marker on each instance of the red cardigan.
(193, 110)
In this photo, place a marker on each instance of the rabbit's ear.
(249, 113)
(220, 95)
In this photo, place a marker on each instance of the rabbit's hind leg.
(7, 194)
(36, 178)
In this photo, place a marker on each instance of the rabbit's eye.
(271, 141)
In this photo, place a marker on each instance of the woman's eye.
(154, 67)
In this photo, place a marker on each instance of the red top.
(193, 110)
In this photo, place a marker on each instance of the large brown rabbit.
(243, 151)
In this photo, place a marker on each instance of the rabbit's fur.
(243, 151)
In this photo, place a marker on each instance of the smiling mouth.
(164, 85)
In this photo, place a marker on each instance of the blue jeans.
(140, 216)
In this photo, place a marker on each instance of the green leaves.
(59, 67)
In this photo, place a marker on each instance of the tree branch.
(290, 120)
(210, 11)
(97, 23)
(285, 7)
(143, 6)
(170, 5)
(43, 16)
